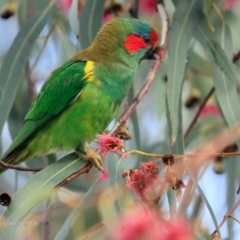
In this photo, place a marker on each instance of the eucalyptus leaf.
(178, 145)
(215, 50)
(22, 11)
(20, 107)
(204, 198)
(90, 21)
(226, 90)
(231, 172)
(39, 188)
(135, 120)
(72, 217)
(185, 20)
(12, 67)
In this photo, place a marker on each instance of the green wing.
(59, 91)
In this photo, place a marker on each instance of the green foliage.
(11, 69)
(90, 21)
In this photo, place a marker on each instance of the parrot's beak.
(155, 53)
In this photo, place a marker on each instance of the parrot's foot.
(123, 133)
(92, 156)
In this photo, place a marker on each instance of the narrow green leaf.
(226, 90)
(231, 172)
(90, 21)
(215, 50)
(72, 217)
(3, 3)
(10, 73)
(185, 20)
(177, 147)
(39, 188)
(172, 202)
(19, 108)
(135, 119)
(22, 12)
(193, 179)
(207, 6)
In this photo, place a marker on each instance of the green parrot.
(80, 98)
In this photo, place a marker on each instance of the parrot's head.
(126, 38)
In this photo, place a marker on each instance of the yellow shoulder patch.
(88, 70)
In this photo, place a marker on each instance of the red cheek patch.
(133, 43)
(154, 37)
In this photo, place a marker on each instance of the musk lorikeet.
(81, 97)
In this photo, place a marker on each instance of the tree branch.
(164, 44)
(24, 169)
(227, 216)
(236, 57)
(83, 170)
(199, 112)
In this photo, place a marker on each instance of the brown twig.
(124, 117)
(24, 169)
(83, 170)
(134, 8)
(133, 11)
(43, 46)
(199, 112)
(150, 77)
(227, 216)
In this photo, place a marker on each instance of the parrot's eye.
(147, 40)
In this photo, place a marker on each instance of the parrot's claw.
(92, 156)
(123, 133)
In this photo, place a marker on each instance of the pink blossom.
(107, 143)
(148, 6)
(124, 154)
(137, 181)
(103, 175)
(177, 229)
(228, 4)
(65, 5)
(150, 167)
(124, 174)
(140, 180)
(139, 225)
(210, 109)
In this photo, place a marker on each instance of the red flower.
(140, 180)
(108, 143)
(176, 229)
(210, 109)
(150, 167)
(228, 4)
(137, 225)
(148, 6)
(103, 175)
(140, 224)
